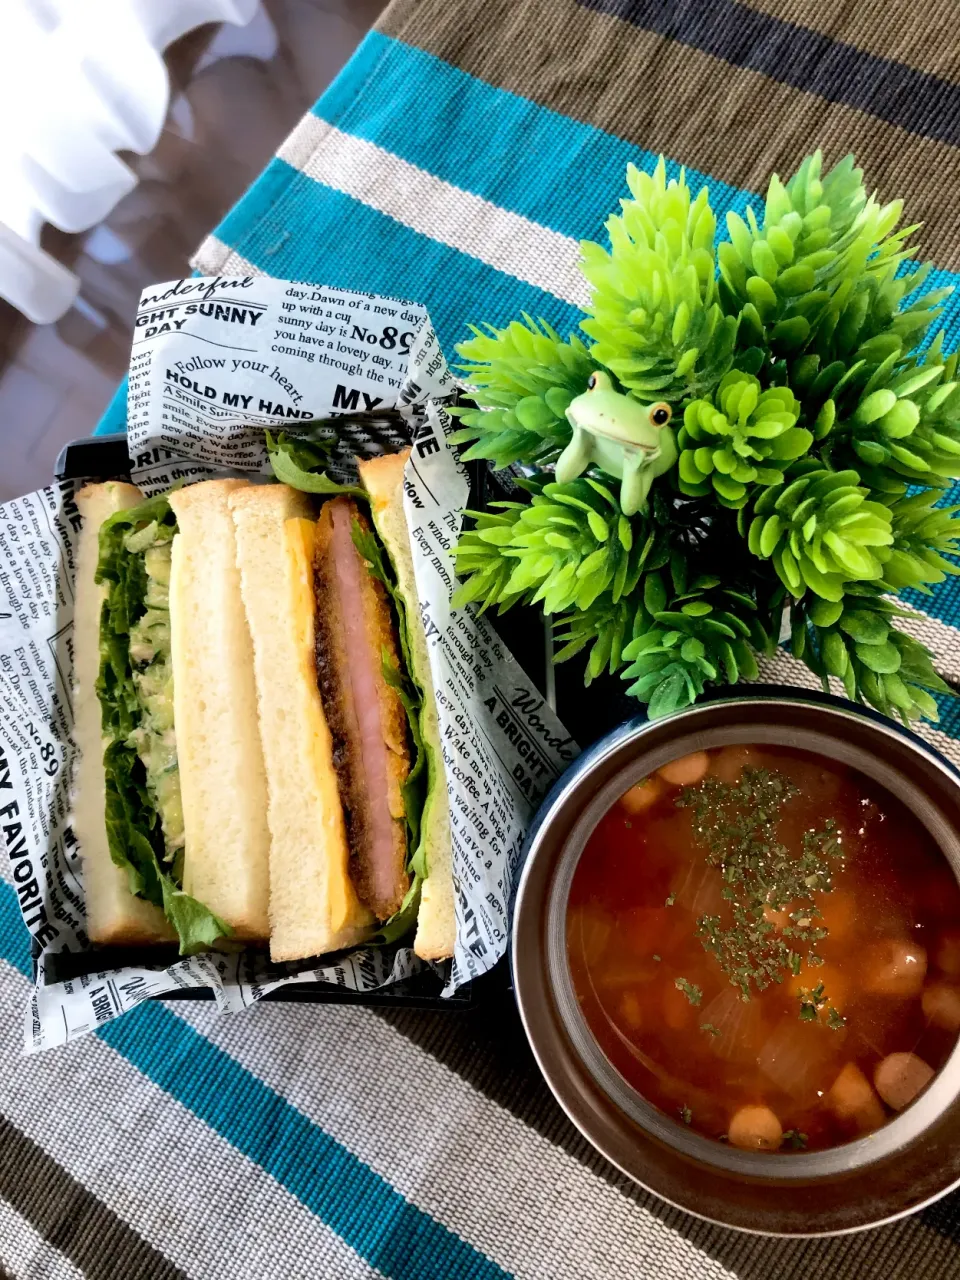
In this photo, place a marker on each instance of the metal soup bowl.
(912, 1160)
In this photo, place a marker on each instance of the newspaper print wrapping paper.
(214, 362)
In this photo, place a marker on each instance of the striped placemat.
(456, 161)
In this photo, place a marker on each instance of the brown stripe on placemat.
(912, 34)
(488, 1050)
(733, 122)
(800, 56)
(71, 1218)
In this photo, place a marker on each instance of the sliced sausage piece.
(900, 1077)
(895, 967)
(851, 1098)
(755, 1128)
(685, 771)
(641, 796)
(946, 955)
(941, 1006)
(729, 764)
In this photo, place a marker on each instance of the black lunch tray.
(105, 458)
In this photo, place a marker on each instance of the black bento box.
(105, 457)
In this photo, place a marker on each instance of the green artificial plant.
(750, 429)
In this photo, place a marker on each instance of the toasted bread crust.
(436, 921)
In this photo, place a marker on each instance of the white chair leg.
(32, 281)
(73, 210)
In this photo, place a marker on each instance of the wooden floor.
(235, 94)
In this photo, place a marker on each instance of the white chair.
(79, 81)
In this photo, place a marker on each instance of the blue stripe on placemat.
(557, 171)
(315, 233)
(943, 604)
(115, 415)
(370, 1215)
(949, 708)
(14, 938)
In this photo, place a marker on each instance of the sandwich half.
(260, 749)
(179, 785)
(314, 905)
(371, 666)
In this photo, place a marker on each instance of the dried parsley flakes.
(812, 1000)
(736, 823)
(690, 990)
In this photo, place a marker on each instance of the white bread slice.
(313, 905)
(114, 915)
(223, 783)
(436, 922)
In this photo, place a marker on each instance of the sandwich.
(314, 906)
(259, 752)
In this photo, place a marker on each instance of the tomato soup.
(766, 945)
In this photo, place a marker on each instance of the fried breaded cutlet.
(355, 632)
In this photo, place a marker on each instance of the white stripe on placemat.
(24, 1253)
(185, 1190)
(534, 1209)
(941, 639)
(784, 668)
(504, 240)
(214, 258)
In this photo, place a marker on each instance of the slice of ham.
(366, 718)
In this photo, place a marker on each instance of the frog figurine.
(622, 437)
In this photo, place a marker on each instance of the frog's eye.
(591, 382)
(659, 414)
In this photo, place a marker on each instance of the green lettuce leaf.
(197, 927)
(404, 919)
(298, 463)
(310, 448)
(134, 833)
(412, 789)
